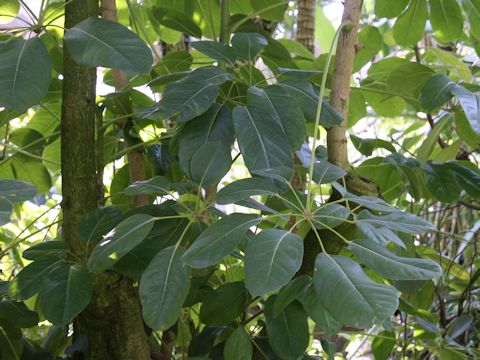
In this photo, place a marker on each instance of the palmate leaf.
(397, 221)
(247, 45)
(216, 51)
(271, 260)
(349, 295)
(26, 70)
(210, 163)
(391, 266)
(317, 312)
(99, 42)
(219, 240)
(163, 288)
(293, 290)
(224, 304)
(245, 188)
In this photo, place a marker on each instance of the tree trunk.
(112, 321)
(306, 24)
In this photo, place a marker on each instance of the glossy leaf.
(436, 92)
(238, 346)
(316, 311)
(270, 9)
(163, 288)
(397, 221)
(330, 216)
(177, 20)
(271, 260)
(447, 19)
(470, 103)
(366, 146)
(119, 241)
(288, 332)
(26, 70)
(245, 188)
(293, 290)
(210, 163)
(52, 248)
(94, 225)
(11, 341)
(357, 300)
(219, 239)
(224, 304)
(11, 192)
(247, 45)
(216, 51)
(8, 10)
(66, 291)
(326, 173)
(99, 42)
(390, 9)
(391, 266)
(472, 9)
(157, 185)
(441, 182)
(17, 313)
(410, 25)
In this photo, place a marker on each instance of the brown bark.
(306, 24)
(112, 321)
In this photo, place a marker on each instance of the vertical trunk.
(112, 321)
(336, 136)
(306, 24)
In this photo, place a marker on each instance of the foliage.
(220, 254)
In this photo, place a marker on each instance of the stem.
(225, 22)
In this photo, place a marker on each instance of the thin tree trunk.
(112, 321)
(306, 24)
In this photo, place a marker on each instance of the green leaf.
(11, 192)
(119, 241)
(447, 19)
(52, 248)
(391, 266)
(219, 239)
(158, 185)
(11, 341)
(472, 9)
(270, 9)
(177, 20)
(26, 70)
(271, 260)
(9, 10)
(366, 146)
(470, 103)
(29, 280)
(97, 223)
(248, 45)
(288, 332)
(293, 290)
(383, 345)
(317, 312)
(296, 49)
(371, 42)
(224, 304)
(18, 313)
(210, 163)
(369, 202)
(408, 79)
(455, 66)
(245, 188)
(389, 9)
(191, 96)
(98, 42)
(441, 182)
(163, 288)
(410, 25)
(261, 139)
(326, 173)
(397, 221)
(238, 346)
(465, 131)
(357, 300)
(436, 92)
(467, 178)
(216, 51)
(329, 216)
(277, 102)
(425, 150)
(65, 292)
(307, 96)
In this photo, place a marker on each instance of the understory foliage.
(232, 257)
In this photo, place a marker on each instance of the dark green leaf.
(271, 260)
(53, 248)
(119, 241)
(436, 92)
(383, 345)
(210, 163)
(245, 188)
(94, 225)
(470, 103)
(157, 185)
(18, 314)
(326, 173)
(238, 346)
(177, 20)
(441, 182)
(216, 51)
(357, 300)
(270, 9)
(11, 341)
(366, 146)
(317, 312)
(219, 240)
(288, 332)
(293, 290)
(224, 304)
(397, 221)
(26, 69)
(467, 178)
(163, 288)
(248, 45)
(11, 192)
(330, 216)
(99, 42)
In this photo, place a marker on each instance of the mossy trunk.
(112, 322)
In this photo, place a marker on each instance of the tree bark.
(112, 321)
(306, 24)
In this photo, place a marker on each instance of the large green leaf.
(408, 79)
(26, 70)
(389, 9)
(470, 103)
(8, 10)
(216, 51)
(391, 266)
(277, 102)
(219, 240)
(119, 241)
(436, 92)
(316, 311)
(66, 291)
(248, 45)
(95, 224)
(371, 42)
(410, 25)
(270, 9)
(11, 341)
(99, 42)
(163, 288)
(356, 300)
(326, 173)
(293, 290)
(466, 177)
(288, 332)
(238, 346)
(397, 221)
(441, 182)
(210, 163)
(383, 345)
(191, 96)
(17, 313)
(11, 192)
(177, 20)
(261, 139)
(446, 18)
(224, 304)
(329, 216)
(245, 188)
(215, 125)
(449, 61)
(366, 146)
(158, 185)
(52, 248)
(271, 260)
(472, 8)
